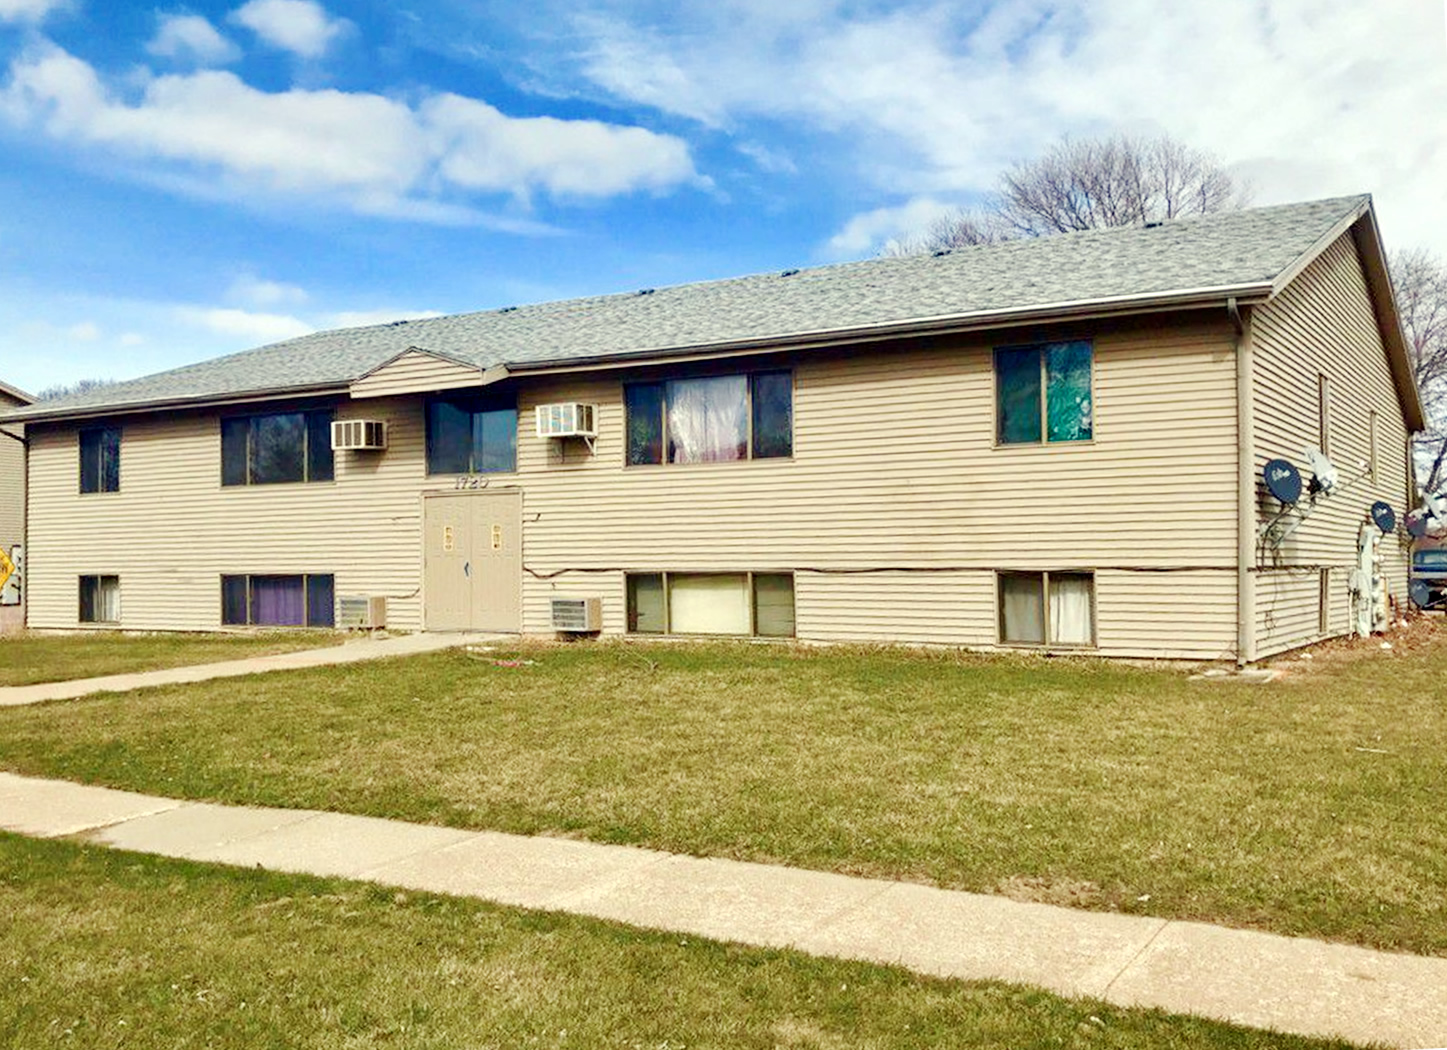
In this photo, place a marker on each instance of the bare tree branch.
(1088, 184)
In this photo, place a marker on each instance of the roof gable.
(416, 371)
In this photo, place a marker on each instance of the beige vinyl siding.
(12, 480)
(893, 513)
(1323, 325)
(172, 530)
(415, 372)
(896, 508)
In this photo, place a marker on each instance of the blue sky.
(182, 181)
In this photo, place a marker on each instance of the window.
(277, 448)
(1323, 601)
(471, 436)
(100, 599)
(710, 420)
(740, 603)
(278, 601)
(1042, 393)
(100, 459)
(1323, 414)
(1035, 606)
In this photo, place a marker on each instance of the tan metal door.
(472, 554)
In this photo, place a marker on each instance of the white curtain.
(712, 604)
(1070, 610)
(707, 419)
(1022, 608)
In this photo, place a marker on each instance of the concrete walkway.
(1295, 985)
(347, 653)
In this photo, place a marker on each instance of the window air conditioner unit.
(361, 612)
(578, 615)
(359, 434)
(566, 420)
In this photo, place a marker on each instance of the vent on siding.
(361, 612)
(566, 420)
(578, 615)
(359, 434)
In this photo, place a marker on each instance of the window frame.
(309, 622)
(666, 577)
(1041, 348)
(100, 486)
(473, 405)
(98, 580)
(1044, 576)
(315, 422)
(750, 379)
(1323, 412)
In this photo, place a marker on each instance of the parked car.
(1428, 578)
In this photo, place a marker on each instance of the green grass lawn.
(1310, 806)
(27, 659)
(110, 949)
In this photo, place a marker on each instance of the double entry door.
(472, 560)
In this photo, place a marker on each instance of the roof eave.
(1152, 302)
(1368, 238)
(83, 412)
(17, 393)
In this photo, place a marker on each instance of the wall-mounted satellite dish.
(1416, 522)
(1420, 593)
(1282, 480)
(1324, 475)
(1384, 516)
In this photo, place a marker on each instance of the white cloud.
(254, 291)
(299, 26)
(192, 38)
(85, 331)
(366, 318)
(380, 155)
(28, 10)
(132, 339)
(1308, 98)
(257, 327)
(867, 232)
(485, 150)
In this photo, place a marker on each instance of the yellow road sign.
(7, 568)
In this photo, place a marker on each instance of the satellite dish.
(1421, 594)
(1384, 516)
(1323, 473)
(1282, 480)
(1416, 522)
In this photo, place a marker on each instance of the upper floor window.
(1042, 393)
(277, 447)
(100, 459)
(471, 436)
(711, 419)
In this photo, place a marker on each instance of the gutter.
(81, 412)
(1245, 486)
(951, 324)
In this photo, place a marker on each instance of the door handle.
(467, 568)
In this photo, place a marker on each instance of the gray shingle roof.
(1238, 250)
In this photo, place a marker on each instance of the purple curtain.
(278, 601)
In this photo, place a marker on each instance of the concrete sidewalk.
(1258, 979)
(348, 653)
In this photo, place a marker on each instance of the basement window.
(712, 603)
(278, 601)
(1035, 606)
(1042, 393)
(100, 599)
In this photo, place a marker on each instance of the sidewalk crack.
(1105, 992)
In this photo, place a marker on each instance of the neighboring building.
(12, 504)
(1054, 442)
